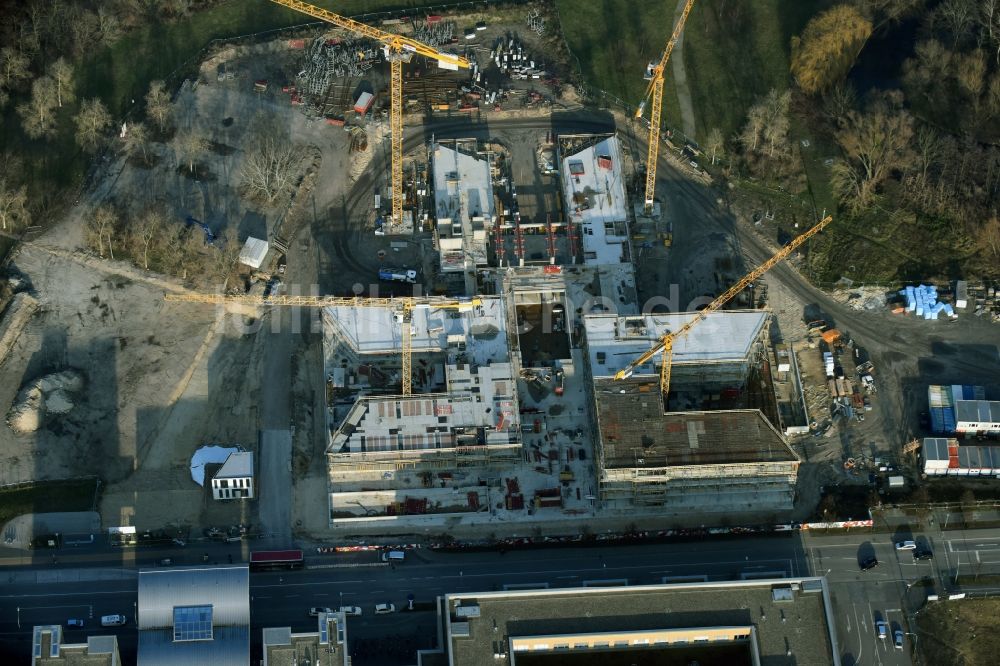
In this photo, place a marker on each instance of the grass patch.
(959, 632)
(735, 52)
(47, 496)
(614, 40)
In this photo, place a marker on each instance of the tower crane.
(403, 306)
(399, 49)
(666, 343)
(654, 92)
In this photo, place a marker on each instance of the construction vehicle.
(402, 306)
(666, 343)
(654, 92)
(398, 49)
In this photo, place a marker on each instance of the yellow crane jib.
(666, 343)
(654, 93)
(399, 49)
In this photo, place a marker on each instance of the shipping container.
(363, 103)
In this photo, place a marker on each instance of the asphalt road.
(892, 592)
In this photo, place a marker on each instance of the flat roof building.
(48, 649)
(594, 196)
(704, 462)
(463, 204)
(716, 353)
(194, 615)
(751, 622)
(327, 646)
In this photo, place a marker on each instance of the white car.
(382, 609)
(316, 610)
(906, 545)
(350, 610)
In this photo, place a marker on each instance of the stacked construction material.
(329, 59)
(922, 301)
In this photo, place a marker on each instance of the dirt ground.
(962, 632)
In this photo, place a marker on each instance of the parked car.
(350, 610)
(906, 545)
(897, 639)
(75, 624)
(382, 609)
(869, 563)
(923, 554)
(881, 629)
(316, 610)
(113, 620)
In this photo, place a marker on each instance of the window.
(192, 623)
(224, 483)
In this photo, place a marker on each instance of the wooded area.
(914, 133)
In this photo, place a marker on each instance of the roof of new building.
(594, 193)
(237, 466)
(324, 647)
(459, 418)
(377, 330)
(789, 616)
(194, 615)
(725, 336)
(635, 432)
(463, 195)
(48, 650)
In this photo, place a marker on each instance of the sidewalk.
(53, 576)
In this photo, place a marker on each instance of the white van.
(113, 620)
(393, 556)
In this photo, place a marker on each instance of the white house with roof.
(234, 480)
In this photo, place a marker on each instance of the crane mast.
(654, 92)
(666, 343)
(399, 49)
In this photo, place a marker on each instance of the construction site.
(471, 305)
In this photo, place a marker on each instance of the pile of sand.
(52, 394)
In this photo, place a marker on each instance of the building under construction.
(463, 413)
(716, 449)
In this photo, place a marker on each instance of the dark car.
(869, 563)
(923, 554)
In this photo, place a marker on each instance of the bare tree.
(839, 101)
(715, 145)
(989, 236)
(957, 17)
(62, 73)
(227, 254)
(109, 26)
(928, 150)
(875, 143)
(989, 23)
(15, 66)
(38, 114)
(269, 167)
(147, 229)
(13, 205)
(136, 140)
(767, 121)
(91, 123)
(190, 146)
(101, 227)
(828, 47)
(756, 119)
(776, 128)
(158, 105)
